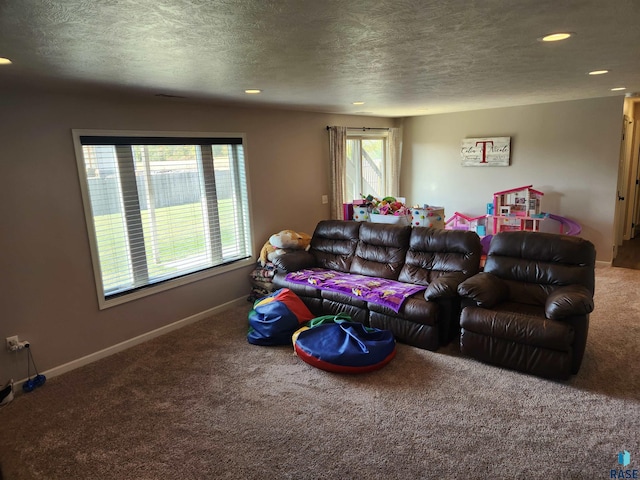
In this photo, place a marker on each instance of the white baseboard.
(602, 263)
(119, 347)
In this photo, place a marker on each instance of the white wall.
(568, 150)
(47, 291)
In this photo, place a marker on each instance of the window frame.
(153, 288)
(359, 135)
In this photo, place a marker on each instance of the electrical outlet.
(13, 342)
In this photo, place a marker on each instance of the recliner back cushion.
(434, 252)
(334, 243)
(534, 263)
(381, 250)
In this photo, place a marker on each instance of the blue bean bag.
(276, 317)
(344, 347)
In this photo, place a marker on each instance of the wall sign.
(486, 152)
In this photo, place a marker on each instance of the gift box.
(347, 211)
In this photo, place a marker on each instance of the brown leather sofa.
(438, 259)
(529, 309)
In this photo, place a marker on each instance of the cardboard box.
(428, 217)
(360, 214)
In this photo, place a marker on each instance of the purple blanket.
(388, 293)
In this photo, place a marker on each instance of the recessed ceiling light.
(5, 61)
(358, 103)
(556, 37)
(598, 72)
(617, 89)
(252, 91)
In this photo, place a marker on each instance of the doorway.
(627, 248)
(628, 254)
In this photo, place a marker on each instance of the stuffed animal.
(282, 242)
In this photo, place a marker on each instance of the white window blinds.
(164, 207)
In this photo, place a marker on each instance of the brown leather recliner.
(529, 309)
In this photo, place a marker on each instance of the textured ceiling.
(401, 57)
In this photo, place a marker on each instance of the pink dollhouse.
(517, 209)
(460, 221)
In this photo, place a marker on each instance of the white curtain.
(394, 162)
(338, 155)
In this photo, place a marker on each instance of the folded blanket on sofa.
(381, 291)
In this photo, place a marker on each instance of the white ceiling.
(401, 57)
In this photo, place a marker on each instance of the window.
(366, 166)
(162, 210)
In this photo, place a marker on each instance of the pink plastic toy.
(517, 209)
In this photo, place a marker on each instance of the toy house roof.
(526, 187)
(462, 215)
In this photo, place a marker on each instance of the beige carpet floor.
(202, 403)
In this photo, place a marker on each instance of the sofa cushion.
(434, 252)
(381, 250)
(546, 259)
(294, 260)
(415, 309)
(343, 298)
(334, 244)
(513, 307)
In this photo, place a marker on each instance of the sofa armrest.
(485, 289)
(292, 261)
(567, 301)
(445, 286)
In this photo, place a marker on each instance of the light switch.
(325, 198)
